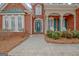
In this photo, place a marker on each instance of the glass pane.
(65, 23)
(58, 24)
(12, 23)
(54, 24)
(19, 23)
(38, 26)
(6, 23)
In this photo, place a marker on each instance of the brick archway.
(69, 21)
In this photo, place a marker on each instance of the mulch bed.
(62, 40)
(9, 43)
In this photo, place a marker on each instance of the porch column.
(61, 23)
(46, 23)
(74, 22)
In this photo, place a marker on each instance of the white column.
(74, 22)
(61, 23)
(46, 24)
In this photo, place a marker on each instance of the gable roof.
(27, 9)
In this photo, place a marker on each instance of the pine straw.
(10, 42)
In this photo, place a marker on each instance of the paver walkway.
(37, 46)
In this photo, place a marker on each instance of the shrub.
(69, 35)
(78, 35)
(55, 35)
(4, 30)
(49, 34)
(63, 34)
(74, 34)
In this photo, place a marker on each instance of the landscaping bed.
(67, 37)
(10, 40)
(62, 41)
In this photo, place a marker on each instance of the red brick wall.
(14, 5)
(27, 17)
(28, 23)
(40, 16)
(70, 22)
(77, 19)
(0, 23)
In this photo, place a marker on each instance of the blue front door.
(38, 26)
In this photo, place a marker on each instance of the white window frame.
(38, 10)
(9, 22)
(41, 24)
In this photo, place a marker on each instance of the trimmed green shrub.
(64, 34)
(49, 34)
(74, 34)
(78, 35)
(56, 35)
(69, 35)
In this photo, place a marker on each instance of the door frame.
(41, 25)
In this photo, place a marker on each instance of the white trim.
(16, 22)
(38, 9)
(61, 23)
(3, 23)
(26, 7)
(46, 24)
(52, 27)
(29, 12)
(4, 6)
(10, 13)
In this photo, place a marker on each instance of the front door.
(38, 26)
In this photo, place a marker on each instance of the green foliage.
(74, 34)
(69, 35)
(78, 35)
(55, 35)
(66, 34)
(49, 34)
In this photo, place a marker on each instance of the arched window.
(38, 10)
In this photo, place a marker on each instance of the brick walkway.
(36, 46)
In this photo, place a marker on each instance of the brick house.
(18, 17)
